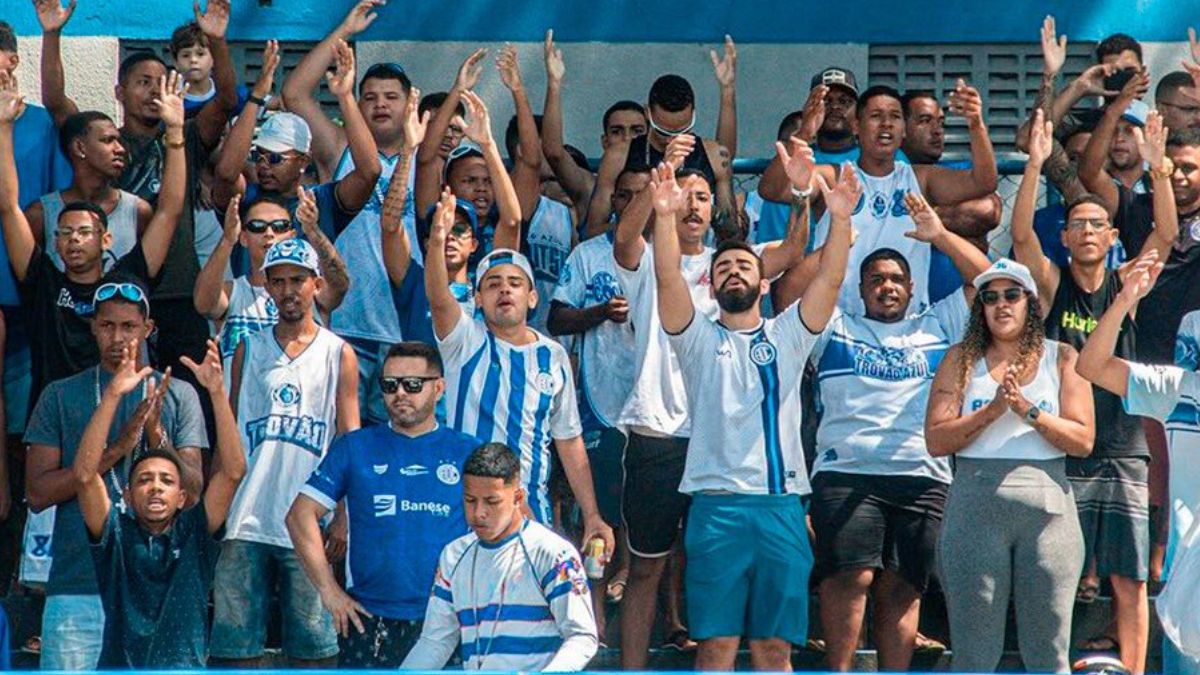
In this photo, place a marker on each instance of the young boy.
(191, 56)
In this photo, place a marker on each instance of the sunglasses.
(278, 226)
(1010, 294)
(1095, 223)
(272, 158)
(461, 231)
(412, 384)
(129, 292)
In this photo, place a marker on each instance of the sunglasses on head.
(1010, 294)
(257, 155)
(412, 384)
(130, 292)
(278, 226)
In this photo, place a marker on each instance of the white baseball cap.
(502, 256)
(284, 131)
(1007, 269)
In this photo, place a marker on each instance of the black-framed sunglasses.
(272, 158)
(1010, 294)
(278, 226)
(413, 384)
(461, 230)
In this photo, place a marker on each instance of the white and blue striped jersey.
(743, 390)
(551, 231)
(872, 386)
(522, 396)
(606, 352)
(367, 311)
(519, 604)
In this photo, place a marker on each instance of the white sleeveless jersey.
(122, 224)
(550, 234)
(287, 417)
(1010, 437)
(36, 554)
(367, 311)
(250, 310)
(881, 219)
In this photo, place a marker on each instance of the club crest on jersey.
(448, 474)
(603, 287)
(286, 395)
(379, 469)
(544, 382)
(879, 204)
(1194, 230)
(1187, 352)
(762, 353)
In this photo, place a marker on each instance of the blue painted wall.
(786, 21)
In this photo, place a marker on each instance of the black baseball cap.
(836, 77)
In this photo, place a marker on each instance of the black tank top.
(642, 153)
(1072, 318)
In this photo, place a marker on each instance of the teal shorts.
(748, 563)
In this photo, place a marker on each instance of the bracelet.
(174, 145)
(260, 102)
(1165, 170)
(802, 194)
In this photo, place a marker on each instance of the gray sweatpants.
(1010, 528)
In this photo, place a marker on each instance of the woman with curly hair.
(1008, 405)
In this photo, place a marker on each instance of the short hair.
(431, 102)
(672, 93)
(875, 92)
(116, 277)
(577, 156)
(884, 254)
(187, 35)
(625, 104)
(686, 173)
(910, 96)
(134, 60)
(1184, 137)
(789, 120)
(493, 460)
(77, 126)
(155, 453)
(1085, 198)
(630, 169)
(512, 135)
(262, 198)
(1172, 82)
(8, 39)
(417, 350)
(735, 245)
(1115, 44)
(387, 71)
(85, 207)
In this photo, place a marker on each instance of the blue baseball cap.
(293, 252)
(502, 256)
(460, 206)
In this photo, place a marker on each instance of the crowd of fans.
(302, 371)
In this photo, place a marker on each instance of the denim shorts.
(72, 632)
(246, 574)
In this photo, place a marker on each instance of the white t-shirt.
(550, 233)
(873, 385)
(1172, 395)
(743, 389)
(1010, 437)
(287, 417)
(881, 219)
(520, 604)
(606, 352)
(522, 396)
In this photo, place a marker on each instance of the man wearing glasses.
(401, 486)
(1110, 485)
(1178, 99)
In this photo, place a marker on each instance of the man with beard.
(746, 540)
(1178, 99)
(295, 386)
(401, 486)
(878, 496)
(828, 117)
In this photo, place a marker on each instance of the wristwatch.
(1164, 171)
(1032, 414)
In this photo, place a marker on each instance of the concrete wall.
(91, 69)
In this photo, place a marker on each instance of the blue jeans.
(370, 365)
(72, 632)
(1175, 662)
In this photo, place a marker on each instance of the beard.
(737, 301)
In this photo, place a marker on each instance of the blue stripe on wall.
(782, 21)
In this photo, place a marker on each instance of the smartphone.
(1118, 80)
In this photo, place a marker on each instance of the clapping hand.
(209, 372)
(171, 89)
(929, 226)
(725, 68)
(843, 196)
(799, 163)
(415, 123)
(1054, 51)
(215, 21)
(341, 81)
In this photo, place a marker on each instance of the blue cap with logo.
(293, 252)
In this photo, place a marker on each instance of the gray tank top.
(122, 223)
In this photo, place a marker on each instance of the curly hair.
(979, 337)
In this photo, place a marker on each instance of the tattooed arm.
(333, 268)
(727, 220)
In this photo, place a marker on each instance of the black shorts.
(864, 521)
(604, 450)
(652, 507)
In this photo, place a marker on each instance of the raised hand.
(928, 225)
(470, 70)
(678, 149)
(1141, 277)
(1041, 138)
(1152, 141)
(1091, 81)
(1136, 86)
(128, 376)
(725, 68)
(814, 112)
(171, 89)
(443, 220)
(360, 17)
(555, 68)
(52, 15)
(209, 372)
(1193, 43)
(479, 128)
(12, 103)
(415, 123)
(965, 101)
(509, 68)
(669, 198)
(232, 229)
(843, 196)
(306, 210)
(1054, 51)
(215, 21)
(798, 164)
(341, 81)
(155, 393)
(270, 63)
